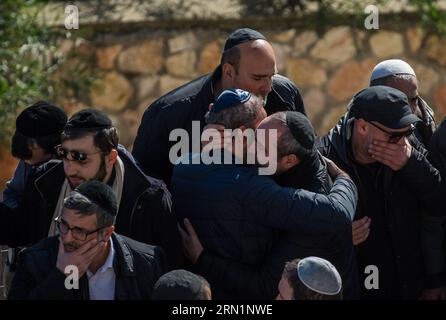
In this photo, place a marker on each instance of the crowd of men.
(353, 214)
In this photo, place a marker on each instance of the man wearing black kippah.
(395, 183)
(88, 260)
(90, 151)
(37, 133)
(236, 210)
(299, 166)
(248, 62)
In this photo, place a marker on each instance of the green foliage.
(432, 17)
(31, 68)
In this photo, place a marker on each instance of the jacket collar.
(123, 257)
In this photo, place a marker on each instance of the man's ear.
(361, 126)
(108, 232)
(291, 160)
(228, 71)
(113, 156)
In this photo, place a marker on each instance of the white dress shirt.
(102, 283)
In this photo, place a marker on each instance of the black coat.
(144, 212)
(137, 267)
(396, 206)
(235, 212)
(177, 109)
(261, 281)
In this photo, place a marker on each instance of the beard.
(100, 175)
(102, 172)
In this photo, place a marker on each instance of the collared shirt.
(102, 283)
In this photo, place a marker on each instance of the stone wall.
(329, 67)
(136, 67)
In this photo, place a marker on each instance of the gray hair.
(85, 207)
(235, 117)
(287, 143)
(384, 81)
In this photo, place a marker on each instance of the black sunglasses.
(73, 154)
(395, 137)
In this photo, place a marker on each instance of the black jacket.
(435, 235)
(144, 212)
(261, 281)
(190, 102)
(395, 201)
(137, 267)
(235, 212)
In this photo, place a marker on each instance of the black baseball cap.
(242, 35)
(385, 105)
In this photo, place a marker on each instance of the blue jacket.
(235, 211)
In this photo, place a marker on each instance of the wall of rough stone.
(329, 67)
(136, 67)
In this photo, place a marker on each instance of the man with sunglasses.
(398, 74)
(394, 179)
(107, 266)
(90, 151)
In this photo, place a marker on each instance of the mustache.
(72, 244)
(75, 177)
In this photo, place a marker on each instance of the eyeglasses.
(78, 233)
(75, 155)
(395, 137)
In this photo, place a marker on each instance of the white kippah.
(391, 67)
(319, 275)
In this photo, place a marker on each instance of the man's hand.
(361, 230)
(393, 155)
(334, 170)
(191, 244)
(81, 257)
(434, 294)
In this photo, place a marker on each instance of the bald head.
(249, 66)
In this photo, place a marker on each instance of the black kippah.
(178, 285)
(89, 119)
(301, 129)
(41, 119)
(100, 194)
(242, 35)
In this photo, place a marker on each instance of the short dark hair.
(231, 56)
(300, 290)
(20, 144)
(235, 117)
(106, 139)
(85, 207)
